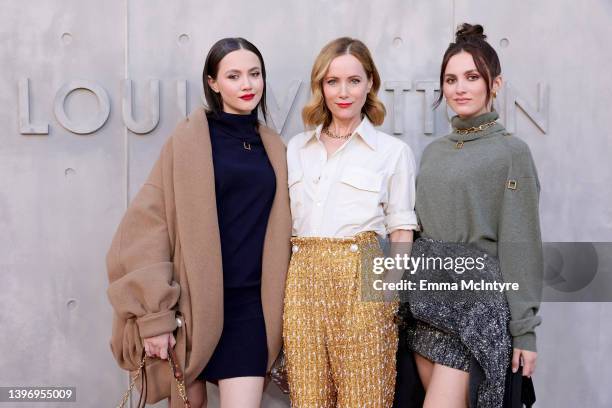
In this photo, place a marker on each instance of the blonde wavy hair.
(316, 111)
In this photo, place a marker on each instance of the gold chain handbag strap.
(133, 379)
(177, 374)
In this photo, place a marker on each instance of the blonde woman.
(349, 184)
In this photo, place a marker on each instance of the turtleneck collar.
(466, 123)
(243, 126)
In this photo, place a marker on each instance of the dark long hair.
(211, 68)
(471, 39)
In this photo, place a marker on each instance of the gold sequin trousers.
(340, 350)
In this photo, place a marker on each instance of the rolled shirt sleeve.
(399, 207)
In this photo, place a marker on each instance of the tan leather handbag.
(178, 378)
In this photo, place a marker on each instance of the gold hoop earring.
(494, 94)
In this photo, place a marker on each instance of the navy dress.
(245, 185)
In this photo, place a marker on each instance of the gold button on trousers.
(340, 347)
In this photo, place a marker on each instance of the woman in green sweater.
(478, 186)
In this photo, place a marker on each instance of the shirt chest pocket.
(296, 192)
(359, 192)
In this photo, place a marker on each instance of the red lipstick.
(344, 105)
(247, 97)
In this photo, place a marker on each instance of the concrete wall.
(63, 193)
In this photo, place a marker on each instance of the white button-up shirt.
(368, 184)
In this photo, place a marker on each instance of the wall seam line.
(126, 144)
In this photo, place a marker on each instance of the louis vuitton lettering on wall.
(150, 102)
(506, 104)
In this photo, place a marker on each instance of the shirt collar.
(366, 131)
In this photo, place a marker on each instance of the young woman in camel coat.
(165, 266)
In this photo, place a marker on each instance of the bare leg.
(425, 369)
(448, 388)
(241, 392)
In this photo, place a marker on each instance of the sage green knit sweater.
(482, 188)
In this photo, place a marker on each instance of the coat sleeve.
(139, 262)
(520, 247)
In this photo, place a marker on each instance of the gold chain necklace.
(475, 128)
(335, 136)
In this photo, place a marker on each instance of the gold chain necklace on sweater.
(475, 128)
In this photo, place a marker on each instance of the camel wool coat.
(164, 263)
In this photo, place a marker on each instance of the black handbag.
(519, 390)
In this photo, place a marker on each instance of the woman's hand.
(158, 346)
(528, 359)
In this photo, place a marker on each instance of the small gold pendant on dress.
(246, 145)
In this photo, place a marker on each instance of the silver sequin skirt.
(474, 324)
(437, 346)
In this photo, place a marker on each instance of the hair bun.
(467, 32)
